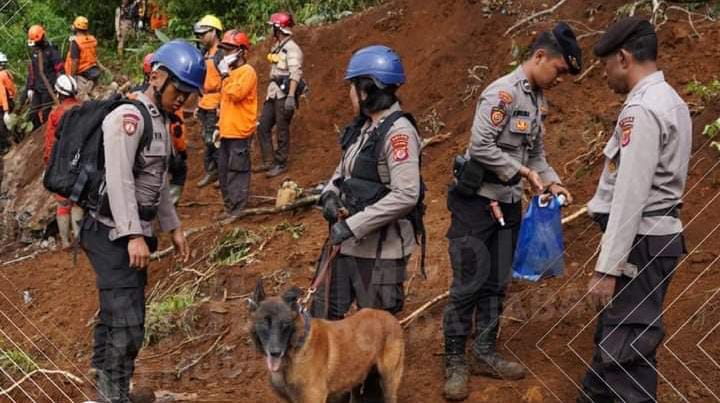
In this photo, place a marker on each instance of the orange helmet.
(235, 39)
(35, 34)
(81, 23)
(147, 63)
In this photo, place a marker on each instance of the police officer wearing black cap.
(506, 145)
(637, 205)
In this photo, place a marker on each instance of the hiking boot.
(276, 170)
(207, 179)
(456, 378)
(494, 366)
(263, 168)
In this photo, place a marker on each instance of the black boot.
(456, 371)
(485, 360)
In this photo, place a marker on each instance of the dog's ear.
(291, 298)
(258, 296)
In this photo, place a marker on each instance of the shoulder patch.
(626, 126)
(130, 123)
(505, 97)
(399, 143)
(497, 115)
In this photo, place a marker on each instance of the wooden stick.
(438, 138)
(178, 347)
(197, 360)
(575, 215)
(533, 16)
(20, 259)
(73, 378)
(410, 318)
(587, 71)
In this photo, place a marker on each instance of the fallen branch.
(20, 259)
(411, 318)
(575, 215)
(73, 378)
(533, 16)
(203, 355)
(438, 138)
(587, 71)
(178, 347)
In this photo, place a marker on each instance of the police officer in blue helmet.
(118, 236)
(372, 202)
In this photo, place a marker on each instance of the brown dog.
(311, 360)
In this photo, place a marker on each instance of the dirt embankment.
(549, 327)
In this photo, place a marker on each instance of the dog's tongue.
(273, 363)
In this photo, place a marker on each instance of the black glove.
(331, 204)
(340, 232)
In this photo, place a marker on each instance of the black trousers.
(234, 168)
(481, 253)
(178, 169)
(628, 332)
(274, 114)
(120, 330)
(208, 119)
(40, 107)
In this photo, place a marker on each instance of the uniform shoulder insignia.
(626, 125)
(505, 97)
(130, 123)
(497, 115)
(399, 143)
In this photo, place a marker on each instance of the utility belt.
(602, 219)
(471, 174)
(145, 213)
(284, 83)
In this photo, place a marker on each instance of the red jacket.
(53, 122)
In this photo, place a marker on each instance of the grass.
(16, 361)
(168, 315)
(234, 247)
(295, 230)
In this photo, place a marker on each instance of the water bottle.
(561, 200)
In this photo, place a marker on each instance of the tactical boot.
(456, 371)
(208, 179)
(485, 360)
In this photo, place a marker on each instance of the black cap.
(622, 32)
(572, 53)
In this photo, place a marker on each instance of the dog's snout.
(276, 354)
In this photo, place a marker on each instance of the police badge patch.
(497, 115)
(626, 126)
(399, 143)
(130, 123)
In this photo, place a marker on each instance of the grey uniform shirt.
(141, 181)
(507, 133)
(399, 169)
(290, 64)
(646, 163)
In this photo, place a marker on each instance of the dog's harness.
(306, 326)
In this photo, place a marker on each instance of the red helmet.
(235, 39)
(283, 21)
(147, 66)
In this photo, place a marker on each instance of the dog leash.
(322, 275)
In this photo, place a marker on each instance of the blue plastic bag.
(540, 248)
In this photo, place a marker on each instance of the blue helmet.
(378, 62)
(184, 61)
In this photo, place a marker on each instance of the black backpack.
(76, 169)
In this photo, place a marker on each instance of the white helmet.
(3, 58)
(66, 85)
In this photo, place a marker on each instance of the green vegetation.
(234, 247)
(16, 361)
(296, 231)
(706, 92)
(168, 315)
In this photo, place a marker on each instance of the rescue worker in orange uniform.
(81, 60)
(238, 120)
(158, 17)
(67, 214)
(7, 97)
(45, 66)
(177, 167)
(208, 31)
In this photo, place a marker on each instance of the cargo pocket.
(387, 282)
(629, 344)
(510, 140)
(239, 160)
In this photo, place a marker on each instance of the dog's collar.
(306, 327)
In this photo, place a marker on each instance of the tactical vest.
(365, 187)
